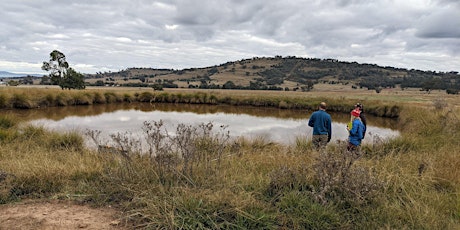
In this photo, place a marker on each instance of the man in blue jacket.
(321, 122)
(356, 132)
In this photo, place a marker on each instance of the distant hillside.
(281, 73)
(5, 74)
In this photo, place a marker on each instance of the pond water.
(277, 125)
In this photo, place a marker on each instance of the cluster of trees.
(253, 85)
(432, 81)
(156, 85)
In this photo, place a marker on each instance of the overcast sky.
(111, 35)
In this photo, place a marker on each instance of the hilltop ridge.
(281, 73)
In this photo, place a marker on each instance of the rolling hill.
(281, 73)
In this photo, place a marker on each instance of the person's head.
(359, 106)
(355, 112)
(322, 105)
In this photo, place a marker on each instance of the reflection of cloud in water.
(275, 129)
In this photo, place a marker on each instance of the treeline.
(253, 85)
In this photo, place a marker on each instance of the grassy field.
(200, 179)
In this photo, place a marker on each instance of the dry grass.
(412, 97)
(256, 184)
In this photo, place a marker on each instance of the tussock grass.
(199, 179)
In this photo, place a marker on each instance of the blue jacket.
(356, 132)
(321, 123)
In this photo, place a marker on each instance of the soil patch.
(47, 215)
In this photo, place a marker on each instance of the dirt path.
(47, 215)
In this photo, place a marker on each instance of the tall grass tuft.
(98, 98)
(21, 101)
(47, 101)
(301, 212)
(7, 122)
(112, 97)
(146, 97)
(3, 101)
(63, 99)
(83, 99)
(128, 97)
(69, 141)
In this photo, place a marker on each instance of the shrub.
(339, 180)
(452, 91)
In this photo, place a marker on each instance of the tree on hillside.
(308, 87)
(61, 74)
(229, 85)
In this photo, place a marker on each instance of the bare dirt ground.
(57, 215)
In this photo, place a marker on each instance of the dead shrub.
(340, 180)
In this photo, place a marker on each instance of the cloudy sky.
(111, 35)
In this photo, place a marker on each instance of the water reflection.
(277, 125)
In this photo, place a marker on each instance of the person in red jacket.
(362, 116)
(356, 131)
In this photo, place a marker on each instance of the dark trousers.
(352, 147)
(319, 141)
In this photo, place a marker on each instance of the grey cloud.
(444, 23)
(112, 34)
(201, 20)
(221, 13)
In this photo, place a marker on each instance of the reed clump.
(198, 178)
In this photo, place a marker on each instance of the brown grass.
(258, 184)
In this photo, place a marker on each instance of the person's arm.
(311, 122)
(329, 130)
